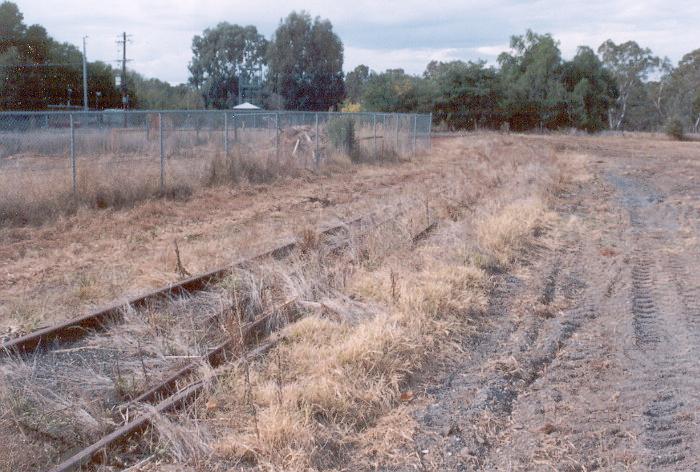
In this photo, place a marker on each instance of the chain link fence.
(109, 156)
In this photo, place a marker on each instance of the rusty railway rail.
(76, 328)
(166, 396)
(174, 401)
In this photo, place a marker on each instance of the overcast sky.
(387, 34)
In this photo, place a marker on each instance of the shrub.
(674, 129)
(341, 132)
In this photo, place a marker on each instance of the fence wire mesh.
(101, 153)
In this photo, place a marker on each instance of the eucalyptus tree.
(631, 66)
(467, 94)
(592, 90)
(305, 63)
(223, 58)
(533, 92)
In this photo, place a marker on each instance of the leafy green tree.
(592, 90)
(658, 90)
(305, 60)
(37, 72)
(155, 94)
(222, 58)
(102, 92)
(467, 94)
(394, 91)
(683, 90)
(631, 65)
(12, 30)
(355, 82)
(533, 93)
(12, 26)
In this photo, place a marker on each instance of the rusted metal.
(141, 422)
(75, 328)
(173, 398)
(215, 358)
(424, 233)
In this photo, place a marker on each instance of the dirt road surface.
(594, 362)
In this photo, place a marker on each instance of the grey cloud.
(381, 34)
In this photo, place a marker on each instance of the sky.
(388, 34)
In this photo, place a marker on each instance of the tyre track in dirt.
(644, 311)
(662, 333)
(542, 432)
(623, 394)
(459, 430)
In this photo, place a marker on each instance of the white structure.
(246, 106)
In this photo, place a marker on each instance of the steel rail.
(139, 423)
(75, 328)
(216, 357)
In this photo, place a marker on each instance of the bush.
(674, 129)
(341, 132)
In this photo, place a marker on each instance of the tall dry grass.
(320, 399)
(370, 318)
(119, 168)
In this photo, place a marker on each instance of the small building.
(246, 106)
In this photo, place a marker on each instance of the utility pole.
(122, 85)
(123, 60)
(85, 81)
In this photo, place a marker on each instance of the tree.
(533, 93)
(11, 25)
(394, 91)
(467, 94)
(658, 90)
(155, 94)
(631, 65)
(355, 82)
(592, 90)
(224, 57)
(305, 60)
(37, 72)
(684, 90)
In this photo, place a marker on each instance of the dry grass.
(118, 168)
(504, 234)
(78, 262)
(330, 390)
(372, 318)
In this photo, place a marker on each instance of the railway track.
(76, 328)
(183, 384)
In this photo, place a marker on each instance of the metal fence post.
(225, 134)
(415, 128)
(374, 135)
(235, 128)
(318, 156)
(162, 154)
(396, 117)
(430, 132)
(277, 136)
(384, 133)
(74, 170)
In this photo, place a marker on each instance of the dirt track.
(593, 363)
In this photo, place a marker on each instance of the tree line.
(300, 67)
(619, 86)
(39, 73)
